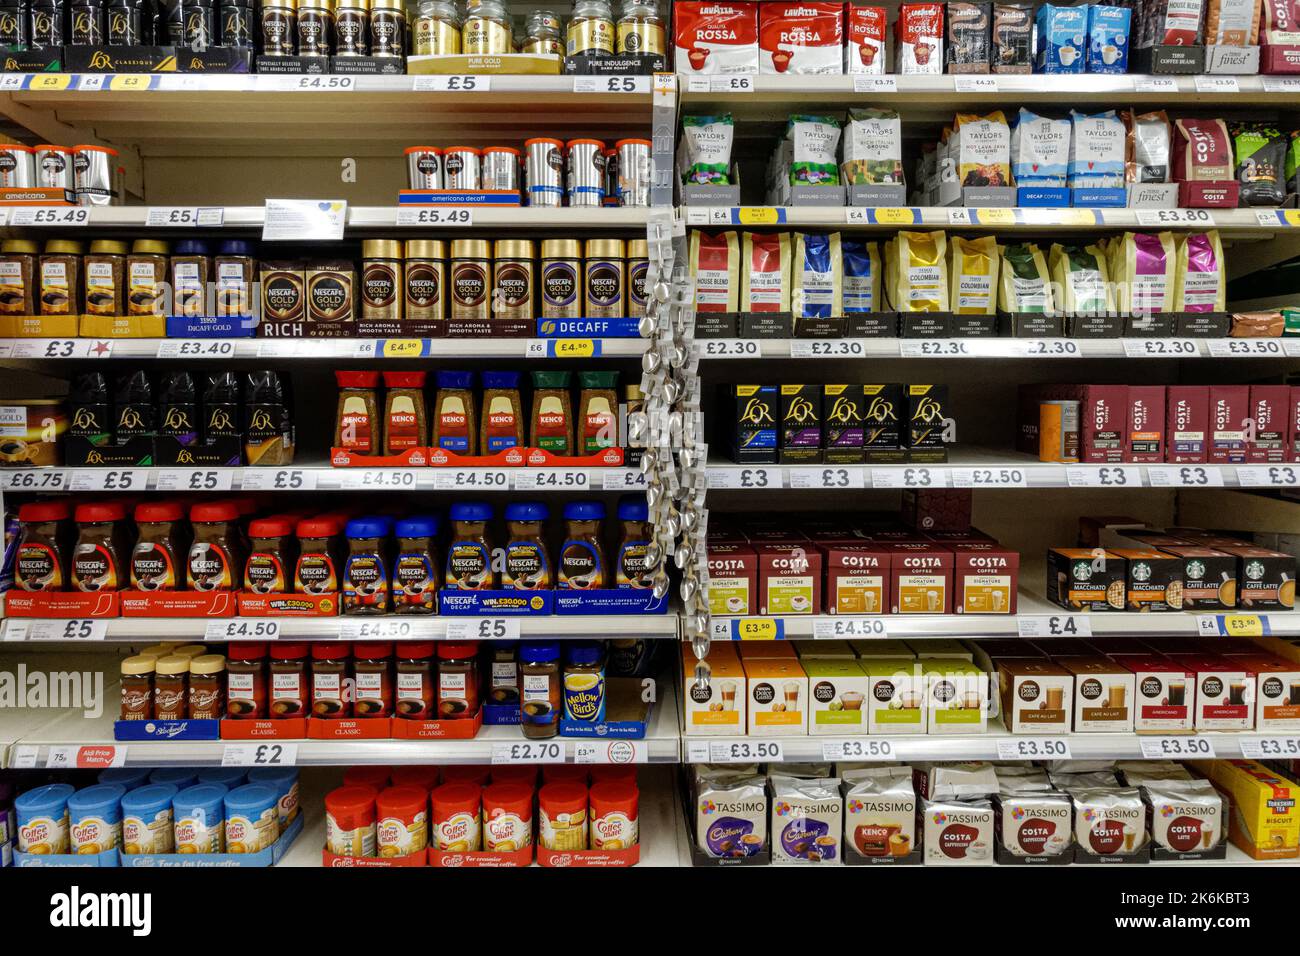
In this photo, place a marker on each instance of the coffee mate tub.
(147, 819)
(199, 812)
(43, 819)
(250, 818)
(95, 818)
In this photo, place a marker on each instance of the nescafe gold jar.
(471, 268)
(315, 27)
(381, 279)
(387, 28)
(512, 279)
(425, 279)
(604, 282)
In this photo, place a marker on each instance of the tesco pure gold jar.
(470, 277)
(512, 279)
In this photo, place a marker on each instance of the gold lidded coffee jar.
(591, 29)
(544, 36)
(279, 27)
(387, 28)
(604, 274)
(315, 27)
(61, 277)
(18, 283)
(435, 30)
(381, 279)
(424, 280)
(146, 275)
(638, 267)
(512, 279)
(640, 28)
(105, 274)
(471, 267)
(487, 29)
(351, 27)
(561, 279)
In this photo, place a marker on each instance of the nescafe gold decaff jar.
(604, 285)
(561, 285)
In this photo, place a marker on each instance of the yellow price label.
(403, 348)
(895, 216)
(758, 216)
(756, 629)
(50, 81)
(996, 217)
(575, 348)
(1075, 217)
(1243, 625)
(1291, 216)
(129, 81)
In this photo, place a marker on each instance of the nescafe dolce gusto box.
(1164, 695)
(1037, 696)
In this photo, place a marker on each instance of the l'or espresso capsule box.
(926, 426)
(754, 431)
(844, 409)
(801, 424)
(882, 433)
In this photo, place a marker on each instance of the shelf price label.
(611, 84)
(259, 755)
(1054, 625)
(195, 348)
(865, 748)
(531, 751)
(1191, 746)
(622, 479)
(863, 83)
(758, 628)
(74, 629)
(1185, 476)
(482, 479)
(1246, 348)
(333, 83)
(453, 83)
(435, 216)
(375, 630)
(828, 348)
(975, 84)
(50, 216)
(245, 629)
(746, 751)
(1270, 748)
(179, 217)
(756, 478)
(1103, 476)
(829, 477)
(187, 479)
(1161, 348)
(483, 629)
(719, 84)
(109, 479)
(609, 751)
(731, 348)
(1268, 476)
(278, 479)
(1175, 217)
(1233, 625)
(1034, 748)
(909, 477)
(36, 479)
(1217, 84)
(934, 348)
(360, 479)
(843, 628)
(989, 478)
(1048, 348)
(1155, 84)
(551, 479)
(90, 757)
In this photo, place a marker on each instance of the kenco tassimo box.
(733, 579)
(864, 32)
(1225, 691)
(857, 578)
(1164, 694)
(1103, 694)
(789, 579)
(800, 38)
(1187, 424)
(715, 37)
(1037, 696)
(921, 578)
(717, 708)
(776, 698)
(985, 577)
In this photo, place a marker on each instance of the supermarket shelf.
(268, 115)
(983, 468)
(1035, 618)
(136, 630)
(313, 478)
(986, 348)
(33, 746)
(13, 350)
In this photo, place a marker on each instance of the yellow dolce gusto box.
(777, 697)
(718, 708)
(1264, 820)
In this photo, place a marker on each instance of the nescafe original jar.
(512, 279)
(270, 556)
(316, 570)
(98, 559)
(561, 286)
(470, 270)
(159, 542)
(603, 279)
(381, 279)
(43, 546)
(424, 280)
(215, 556)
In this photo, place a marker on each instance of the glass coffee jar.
(415, 691)
(372, 672)
(329, 670)
(288, 681)
(207, 695)
(540, 696)
(458, 681)
(246, 682)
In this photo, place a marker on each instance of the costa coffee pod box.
(1109, 821)
(1209, 577)
(1165, 694)
(1152, 580)
(1277, 691)
(777, 700)
(1187, 423)
(717, 708)
(957, 697)
(837, 693)
(880, 811)
(857, 578)
(1103, 695)
(1225, 691)
(715, 37)
(1103, 420)
(1265, 579)
(789, 579)
(895, 696)
(1146, 424)
(1184, 816)
(985, 578)
(801, 38)
(921, 578)
(958, 832)
(1229, 414)
(733, 579)
(1034, 823)
(919, 32)
(1270, 407)
(1083, 579)
(864, 28)
(1037, 696)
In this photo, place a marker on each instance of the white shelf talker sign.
(295, 220)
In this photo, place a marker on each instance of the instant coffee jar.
(236, 23)
(381, 279)
(435, 28)
(604, 273)
(512, 279)
(280, 27)
(487, 29)
(47, 24)
(591, 29)
(471, 267)
(638, 265)
(351, 27)
(425, 280)
(387, 28)
(561, 274)
(87, 23)
(315, 27)
(15, 25)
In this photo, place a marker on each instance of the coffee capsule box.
(879, 811)
(844, 410)
(920, 578)
(777, 697)
(1209, 577)
(801, 424)
(718, 707)
(985, 578)
(1103, 695)
(958, 832)
(927, 423)
(956, 697)
(789, 579)
(755, 434)
(896, 696)
(1225, 691)
(807, 820)
(1037, 696)
(1037, 824)
(837, 694)
(733, 579)
(1152, 580)
(1276, 690)
(1265, 579)
(1084, 579)
(857, 578)
(882, 435)
(1164, 694)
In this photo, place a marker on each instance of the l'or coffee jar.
(471, 264)
(512, 279)
(381, 279)
(561, 286)
(603, 282)
(638, 265)
(425, 279)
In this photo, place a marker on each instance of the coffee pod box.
(1209, 577)
(1265, 817)
(777, 700)
(730, 814)
(1165, 694)
(824, 650)
(1225, 691)
(717, 708)
(790, 579)
(920, 578)
(1083, 579)
(1037, 696)
(879, 811)
(1277, 690)
(1103, 695)
(986, 578)
(837, 694)
(958, 832)
(945, 648)
(1034, 823)
(807, 820)
(1109, 821)
(1153, 580)
(875, 650)
(895, 697)
(956, 696)
(1184, 816)
(733, 579)
(1265, 579)
(857, 578)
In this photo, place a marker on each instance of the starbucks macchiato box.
(895, 697)
(956, 696)
(717, 708)
(837, 692)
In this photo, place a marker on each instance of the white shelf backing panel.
(960, 349)
(662, 743)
